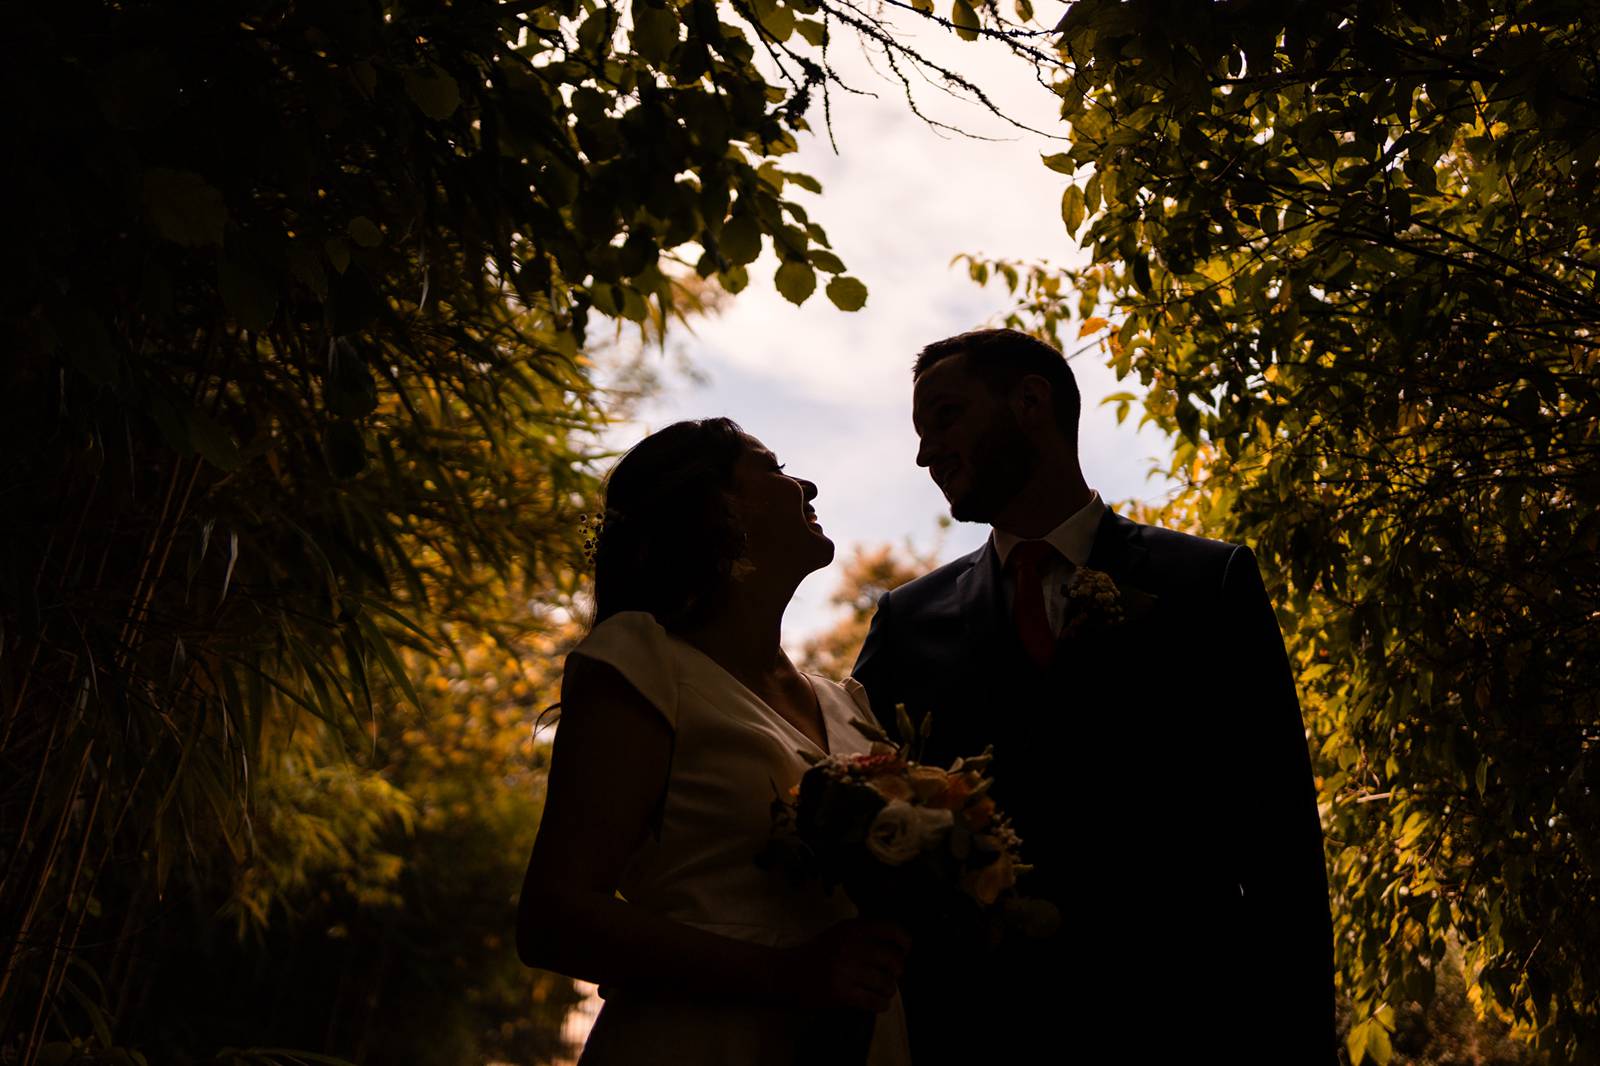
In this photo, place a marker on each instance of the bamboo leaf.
(391, 662)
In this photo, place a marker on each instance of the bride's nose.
(809, 488)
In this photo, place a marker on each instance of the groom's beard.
(1002, 461)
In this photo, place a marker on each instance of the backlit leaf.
(847, 293)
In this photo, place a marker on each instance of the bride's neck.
(744, 635)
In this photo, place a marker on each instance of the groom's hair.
(1002, 357)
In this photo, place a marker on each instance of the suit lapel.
(1008, 682)
(1117, 552)
(983, 609)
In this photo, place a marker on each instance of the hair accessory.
(592, 527)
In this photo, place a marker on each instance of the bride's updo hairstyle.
(668, 540)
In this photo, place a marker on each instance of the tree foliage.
(372, 920)
(300, 373)
(1349, 251)
(869, 572)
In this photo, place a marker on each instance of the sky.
(830, 391)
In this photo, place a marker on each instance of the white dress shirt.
(1073, 540)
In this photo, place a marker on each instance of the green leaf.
(353, 304)
(364, 232)
(89, 345)
(1061, 163)
(379, 643)
(250, 298)
(775, 17)
(1415, 825)
(213, 442)
(655, 33)
(1399, 204)
(608, 298)
(306, 267)
(184, 207)
(1379, 1048)
(594, 33)
(847, 293)
(351, 391)
(373, 604)
(634, 309)
(57, 1053)
(345, 449)
(771, 175)
(740, 241)
(815, 33)
(1355, 1042)
(966, 20)
(1072, 209)
(796, 281)
(338, 250)
(1141, 274)
(805, 181)
(825, 260)
(434, 92)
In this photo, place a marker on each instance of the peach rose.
(891, 787)
(927, 782)
(979, 814)
(958, 786)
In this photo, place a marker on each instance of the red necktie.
(1026, 563)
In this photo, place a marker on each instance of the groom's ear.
(1033, 402)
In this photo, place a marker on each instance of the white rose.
(901, 831)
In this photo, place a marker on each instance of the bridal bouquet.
(906, 841)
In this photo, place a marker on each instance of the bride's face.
(781, 528)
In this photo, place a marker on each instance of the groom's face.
(970, 441)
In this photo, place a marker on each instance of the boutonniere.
(1096, 603)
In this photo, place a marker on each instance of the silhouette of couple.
(1156, 769)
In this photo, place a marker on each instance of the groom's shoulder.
(936, 584)
(1184, 558)
(1176, 543)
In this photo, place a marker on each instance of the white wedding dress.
(732, 755)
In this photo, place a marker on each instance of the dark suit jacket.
(1158, 775)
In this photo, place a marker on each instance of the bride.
(682, 719)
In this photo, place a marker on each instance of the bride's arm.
(608, 773)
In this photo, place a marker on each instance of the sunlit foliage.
(1348, 252)
(299, 393)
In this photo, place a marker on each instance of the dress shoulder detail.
(858, 692)
(635, 645)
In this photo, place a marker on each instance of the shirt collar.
(1073, 538)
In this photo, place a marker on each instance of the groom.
(1151, 755)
